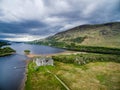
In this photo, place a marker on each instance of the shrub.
(27, 51)
(86, 58)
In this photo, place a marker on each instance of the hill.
(4, 42)
(4, 51)
(103, 35)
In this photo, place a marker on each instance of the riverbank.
(25, 76)
(6, 54)
(22, 86)
(30, 56)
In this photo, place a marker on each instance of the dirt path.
(67, 88)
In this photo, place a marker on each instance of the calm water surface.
(11, 78)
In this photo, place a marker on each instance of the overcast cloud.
(33, 19)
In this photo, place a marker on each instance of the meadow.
(96, 74)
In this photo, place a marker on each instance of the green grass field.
(40, 79)
(92, 76)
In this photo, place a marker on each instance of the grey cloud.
(46, 17)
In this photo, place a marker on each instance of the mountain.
(104, 35)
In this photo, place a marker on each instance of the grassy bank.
(39, 79)
(92, 76)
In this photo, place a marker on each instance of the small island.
(27, 52)
(4, 51)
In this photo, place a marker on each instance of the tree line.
(86, 58)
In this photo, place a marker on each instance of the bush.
(27, 51)
(86, 58)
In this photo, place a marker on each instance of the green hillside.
(4, 51)
(103, 35)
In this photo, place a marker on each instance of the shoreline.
(22, 85)
(30, 56)
(7, 54)
(61, 53)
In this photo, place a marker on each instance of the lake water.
(11, 78)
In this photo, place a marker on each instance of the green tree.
(27, 52)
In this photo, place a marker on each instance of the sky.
(27, 20)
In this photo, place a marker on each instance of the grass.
(92, 76)
(40, 79)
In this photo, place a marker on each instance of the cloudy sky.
(25, 20)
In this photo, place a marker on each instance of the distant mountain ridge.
(106, 35)
(86, 26)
